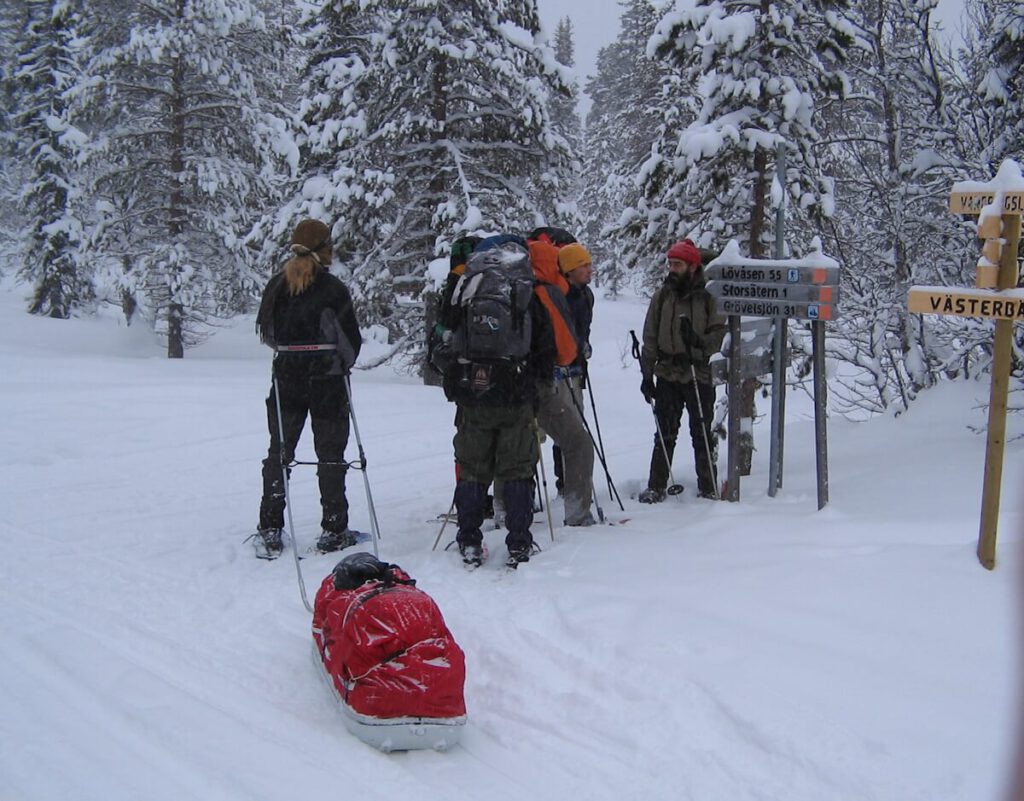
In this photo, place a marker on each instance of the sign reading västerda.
(1005, 305)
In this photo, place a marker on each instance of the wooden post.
(1001, 358)
(778, 425)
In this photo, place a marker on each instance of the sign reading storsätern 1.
(1005, 305)
(804, 293)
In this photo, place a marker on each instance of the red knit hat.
(685, 251)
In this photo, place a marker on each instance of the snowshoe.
(473, 555)
(338, 540)
(651, 495)
(267, 543)
(519, 554)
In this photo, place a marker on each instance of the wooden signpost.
(996, 297)
(756, 352)
(1005, 305)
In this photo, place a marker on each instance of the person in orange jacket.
(557, 413)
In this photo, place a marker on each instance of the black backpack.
(558, 237)
(494, 297)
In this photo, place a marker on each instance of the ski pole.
(674, 488)
(597, 503)
(704, 429)
(597, 422)
(447, 517)
(362, 467)
(614, 494)
(287, 495)
(544, 481)
(689, 337)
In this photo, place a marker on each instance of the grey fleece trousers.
(560, 418)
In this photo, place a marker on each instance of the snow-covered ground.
(708, 651)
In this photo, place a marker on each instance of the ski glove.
(647, 388)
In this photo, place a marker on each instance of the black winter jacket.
(581, 305)
(321, 315)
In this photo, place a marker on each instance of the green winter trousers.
(496, 442)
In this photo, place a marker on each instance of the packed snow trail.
(760, 650)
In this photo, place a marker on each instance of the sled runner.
(390, 661)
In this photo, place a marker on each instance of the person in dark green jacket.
(681, 332)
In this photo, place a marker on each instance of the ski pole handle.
(636, 345)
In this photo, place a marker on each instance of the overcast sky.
(596, 23)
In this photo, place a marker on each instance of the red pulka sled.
(384, 649)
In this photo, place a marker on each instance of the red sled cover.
(387, 649)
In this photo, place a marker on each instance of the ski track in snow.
(760, 650)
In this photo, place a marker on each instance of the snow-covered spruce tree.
(634, 99)
(985, 98)
(13, 21)
(985, 86)
(760, 70)
(46, 67)
(889, 148)
(565, 118)
(1003, 88)
(420, 123)
(1004, 83)
(1009, 55)
(185, 159)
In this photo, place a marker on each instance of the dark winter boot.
(268, 543)
(519, 552)
(518, 517)
(335, 541)
(334, 519)
(651, 495)
(472, 552)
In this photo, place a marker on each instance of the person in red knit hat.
(681, 332)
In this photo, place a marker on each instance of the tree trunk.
(128, 302)
(758, 217)
(435, 192)
(176, 207)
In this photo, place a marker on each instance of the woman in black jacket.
(306, 316)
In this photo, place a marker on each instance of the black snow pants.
(671, 398)
(325, 400)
